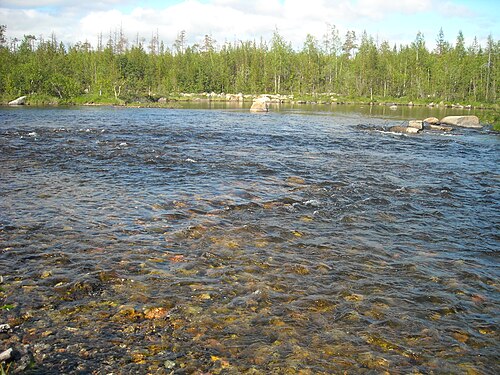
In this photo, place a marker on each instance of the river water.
(184, 241)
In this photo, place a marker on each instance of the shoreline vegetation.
(330, 69)
(167, 100)
(490, 112)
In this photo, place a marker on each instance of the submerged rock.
(441, 128)
(19, 101)
(462, 121)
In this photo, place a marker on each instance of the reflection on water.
(184, 241)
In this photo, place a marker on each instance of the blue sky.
(230, 20)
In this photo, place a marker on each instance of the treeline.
(352, 66)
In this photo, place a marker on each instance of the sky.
(395, 21)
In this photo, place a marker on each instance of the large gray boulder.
(462, 121)
(260, 104)
(19, 101)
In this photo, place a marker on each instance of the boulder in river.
(417, 124)
(403, 129)
(462, 121)
(431, 121)
(260, 104)
(441, 128)
(19, 101)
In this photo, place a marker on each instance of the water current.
(184, 241)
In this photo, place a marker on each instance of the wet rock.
(404, 130)
(109, 276)
(156, 313)
(19, 101)
(371, 361)
(79, 289)
(260, 104)
(6, 355)
(460, 336)
(168, 364)
(46, 274)
(127, 313)
(353, 297)
(441, 128)
(462, 121)
(431, 121)
(417, 124)
(295, 180)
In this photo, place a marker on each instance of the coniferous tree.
(348, 66)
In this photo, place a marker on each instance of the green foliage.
(493, 119)
(4, 370)
(96, 99)
(352, 67)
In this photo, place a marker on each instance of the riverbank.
(490, 116)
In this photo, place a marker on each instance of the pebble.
(312, 203)
(169, 364)
(156, 313)
(295, 180)
(4, 328)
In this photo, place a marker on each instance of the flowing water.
(183, 241)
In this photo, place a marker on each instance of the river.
(217, 241)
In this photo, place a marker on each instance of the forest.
(357, 67)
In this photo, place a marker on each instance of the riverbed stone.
(462, 121)
(19, 101)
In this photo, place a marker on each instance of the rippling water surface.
(218, 241)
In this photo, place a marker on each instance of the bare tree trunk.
(117, 93)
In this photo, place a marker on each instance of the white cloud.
(455, 10)
(61, 3)
(224, 20)
(377, 8)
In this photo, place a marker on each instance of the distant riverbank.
(489, 111)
